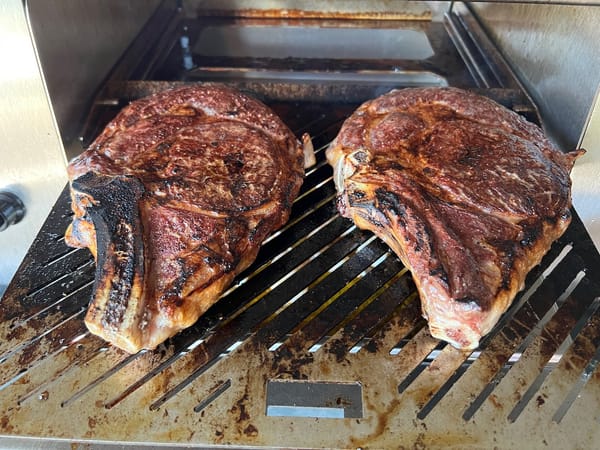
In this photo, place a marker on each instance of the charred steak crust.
(467, 193)
(174, 198)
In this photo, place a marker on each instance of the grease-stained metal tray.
(319, 344)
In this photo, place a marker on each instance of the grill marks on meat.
(174, 198)
(468, 194)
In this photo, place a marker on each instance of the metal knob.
(12, 209)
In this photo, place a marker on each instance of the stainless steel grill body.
(320, 343)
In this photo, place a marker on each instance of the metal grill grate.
(327, 306)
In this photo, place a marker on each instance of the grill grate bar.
(52, 318)
(293, 272)
(418, 326)
(318, 165)
(577, 387)
(183, 384)
(334, 306)
(228, 322)
(440, 365)
(54, 246)
(204, 349)
(57, 303)
(536, 334)
(353, 316)
(326, 201)
(326, 304)
(62, 256)
(213, 395)
(510, 314)
(312, 329)
(504, 320)
(567, 371)
(151, 374)
(89, 263)
(59, 238)
(423, 364)
(531, 335)
(315, 188)
(315, 300)
(388, 292)
(355, 308)
(320, 279)
(46, 331)
(113, 370)
(562, 349)
(277, 257)
(333, 226)
(89, 352)
(443, 390)
(37, 350)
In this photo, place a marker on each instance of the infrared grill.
(320, 343)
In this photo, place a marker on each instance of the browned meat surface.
(468, 194)
(174, 199)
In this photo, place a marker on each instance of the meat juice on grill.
(467, 193)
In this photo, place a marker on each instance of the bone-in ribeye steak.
(467, 193)
(174, 198)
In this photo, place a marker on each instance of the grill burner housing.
(320, 343)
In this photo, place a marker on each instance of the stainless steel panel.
(78, 44)
(554, 50)
(261, 41)
(586, 175)
(33, 165)
(325, 303)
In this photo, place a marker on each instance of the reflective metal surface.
(43, 102)
(320, 343)
(78, 44)
(305, 42)
(324, 302)
(32, 159)
(586, 174)
(554, 51)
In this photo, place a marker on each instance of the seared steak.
(468, 194)
(174, 198)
